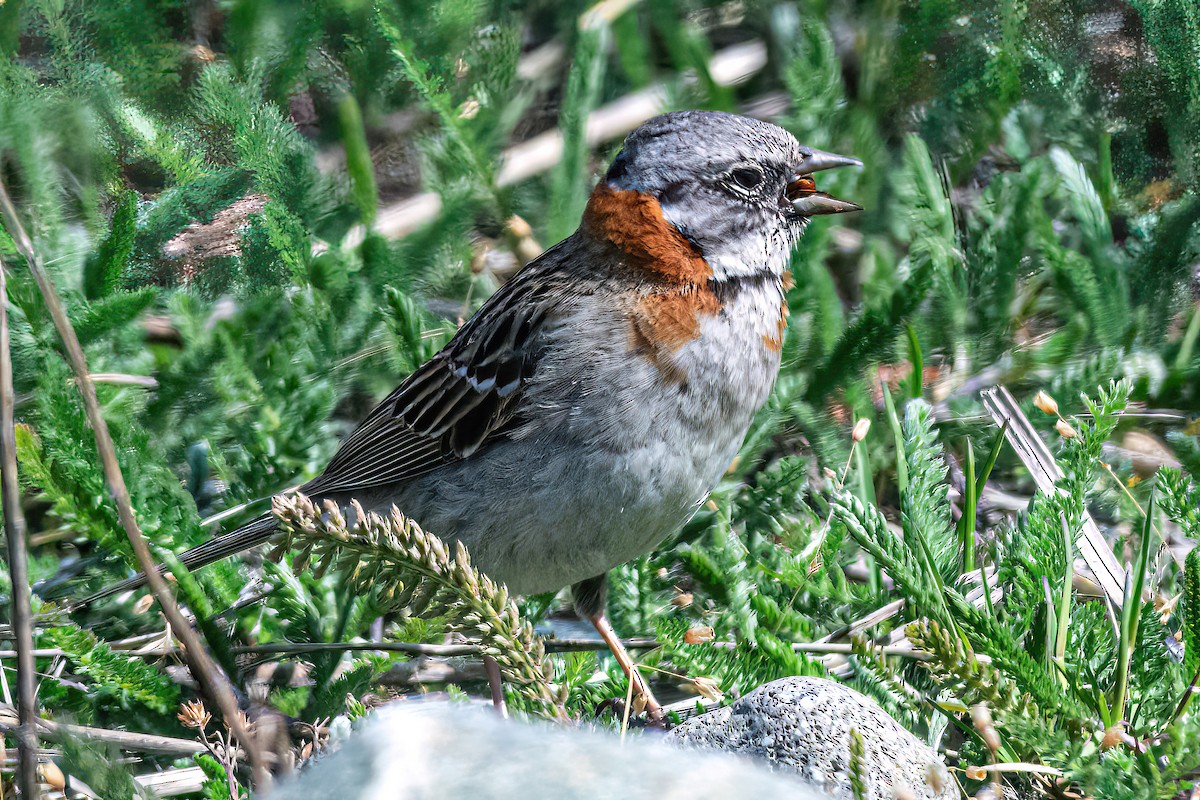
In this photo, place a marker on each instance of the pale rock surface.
(802, 726)
(423, 750)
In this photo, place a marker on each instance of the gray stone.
(421, 750)
(802, 726)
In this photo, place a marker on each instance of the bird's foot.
(643, 698)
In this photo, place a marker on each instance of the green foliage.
(858, 780)
(358, 158)
(100, 769)
(105, 269)
(1031, 220)
(114, 678)
(216, 780)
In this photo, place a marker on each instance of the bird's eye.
(746, 178)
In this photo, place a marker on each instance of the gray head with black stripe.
(741, 189)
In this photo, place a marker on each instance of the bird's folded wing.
(452, 405)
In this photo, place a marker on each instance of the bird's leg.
(653, 710)
(589, 603)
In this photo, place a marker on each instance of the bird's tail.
(253, 533)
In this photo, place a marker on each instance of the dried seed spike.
(1045, 403)
(333, 517)
(300, 506)
(708, 689)
(461, 556)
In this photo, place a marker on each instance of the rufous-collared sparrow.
(588, 408)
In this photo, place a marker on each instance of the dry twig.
(1046, 473)
(18, 564)
(215, 683)
(125, 740)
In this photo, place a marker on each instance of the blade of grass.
(1064, 602)
(865, 489)
(898, 432)
(916, 378)
(980, 482)
(966, 523)
(986, 472)
(987, 592)
(1131, 611)
(1051, 620)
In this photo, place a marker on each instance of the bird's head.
(740, 191)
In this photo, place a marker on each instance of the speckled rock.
(802, 726)
(424, 750)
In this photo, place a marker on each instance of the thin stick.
(126, 740)
(441, 650)
(214, 682)
(552, 646)
(1045, 472)
(18, 565)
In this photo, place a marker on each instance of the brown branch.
(216, 685)
(135, 742)
(437, 650)
(18, 565)
(551, 645)
(496, 683)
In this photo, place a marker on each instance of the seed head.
(194, 715)
(1046, 403)
(708, 689)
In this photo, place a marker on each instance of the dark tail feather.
(253, 533)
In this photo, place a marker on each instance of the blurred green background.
(263, 214)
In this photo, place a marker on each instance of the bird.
(585, 412)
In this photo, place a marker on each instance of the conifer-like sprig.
(956, 669)
(913, 577)
(393, 559)
(925, 511)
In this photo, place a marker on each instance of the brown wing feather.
(457, 401)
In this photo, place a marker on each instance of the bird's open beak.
(802, 189)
